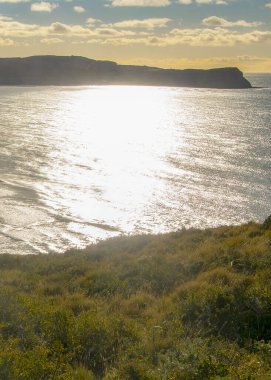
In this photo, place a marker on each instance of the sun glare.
(119, 138)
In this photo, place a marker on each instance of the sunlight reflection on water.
(85, 163)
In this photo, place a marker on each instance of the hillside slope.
(186, 305)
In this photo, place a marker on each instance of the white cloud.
(140, 3)
(186, 2)
(218, 21)
(214, 37)
(91, 21)
(162, 3)
(51, 41)
(14, 1)
(10, 28)
(5, 18)
(79, 9)
(43, 6)
(218, 2)
(197, 37)
(148, 23)
(206, 36)
(58, 28)
(111, 32)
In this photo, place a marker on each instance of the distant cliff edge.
(72, 70)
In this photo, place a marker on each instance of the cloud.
(218, 2)
(58, 28)
(51, 41)
(214, 37)
(124, 41)
(185, 2)
(43, 7)
(148, 23)
(79, 9)
(14, 1)
(5, 18)
(6, 42)
(215, 21)
(204, 37)
(92, 21)
(10, 28)
(83, 42)
(140, 3)
(111, 32)
(198, 37)
(162, 3)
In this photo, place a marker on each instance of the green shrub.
(186, 305)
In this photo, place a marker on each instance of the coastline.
(76, 70)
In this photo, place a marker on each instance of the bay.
(80, 164)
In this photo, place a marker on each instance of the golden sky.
(164, 33)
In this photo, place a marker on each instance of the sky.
(163, 33)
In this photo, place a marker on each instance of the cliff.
(56, 70)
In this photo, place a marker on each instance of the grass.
(186, 305)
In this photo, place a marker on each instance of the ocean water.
(80, 164)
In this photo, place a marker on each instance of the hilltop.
(73, 70)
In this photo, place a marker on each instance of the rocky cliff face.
(54, 70)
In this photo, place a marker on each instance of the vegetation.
(187, 305)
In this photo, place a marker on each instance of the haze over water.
(79, 164)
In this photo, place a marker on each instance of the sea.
(82, 164)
